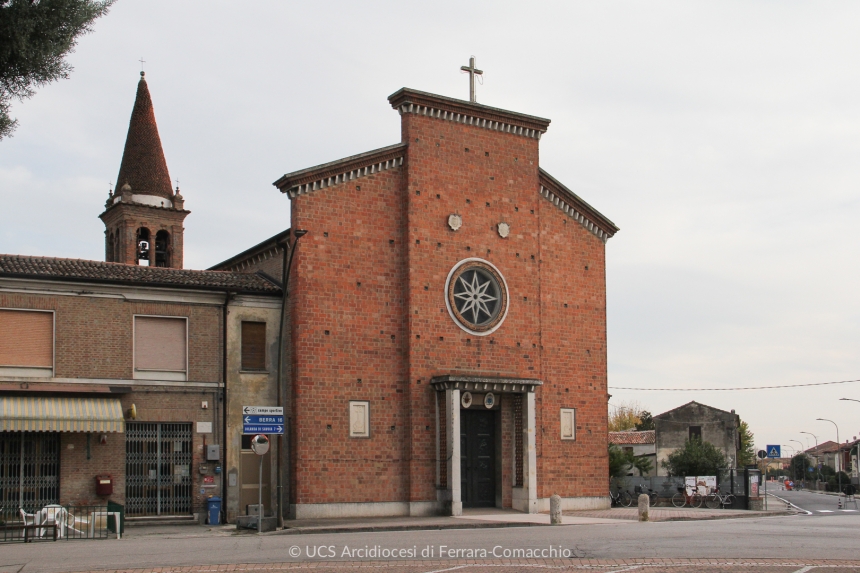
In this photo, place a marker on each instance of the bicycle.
(681, 498)
(620, 497)
(717, 499)
(652, 495)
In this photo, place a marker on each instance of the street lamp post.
(817, 469)
(838, 453)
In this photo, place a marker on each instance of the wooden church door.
(477, 458)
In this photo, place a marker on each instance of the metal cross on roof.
(473, 71)
(142, 61)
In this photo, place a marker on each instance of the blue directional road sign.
(262, 428)
(774, 451)
(264, 420)
(262, 424)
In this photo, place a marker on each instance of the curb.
(383, 528)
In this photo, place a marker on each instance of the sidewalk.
(483, 518)
(494, 518)
(681, 514)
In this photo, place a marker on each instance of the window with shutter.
(253, 346)
(160, 348)
(26, 343)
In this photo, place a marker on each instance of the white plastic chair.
(53, 515)
(28, 519)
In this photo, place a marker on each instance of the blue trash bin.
(214, 508)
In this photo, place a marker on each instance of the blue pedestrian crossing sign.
(774, 451)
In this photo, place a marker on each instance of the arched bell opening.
(109, 247)
(162, 249)
(144, 244)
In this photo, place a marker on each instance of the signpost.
(762, 454)
(260, 445)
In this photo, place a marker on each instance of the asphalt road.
(818, 504)
(825, 536)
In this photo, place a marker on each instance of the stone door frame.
(525, 494)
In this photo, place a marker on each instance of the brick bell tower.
(143, 218)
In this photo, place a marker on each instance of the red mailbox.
(104, 485)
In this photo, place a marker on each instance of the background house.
(694, 420)
(640, 444)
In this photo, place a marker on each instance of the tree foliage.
(800, 465)
(627, 417)
(646, 422)
(35, 38)
(642, 464)
(746, 453)
(619, 461)
(696, 458)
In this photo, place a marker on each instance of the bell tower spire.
(143, 217)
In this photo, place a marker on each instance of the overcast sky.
(723, 138)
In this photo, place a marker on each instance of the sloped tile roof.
(143, 165)
(79, 270)
(632, 437)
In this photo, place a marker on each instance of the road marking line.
(791, 504)
(804, 569)
(824, 510)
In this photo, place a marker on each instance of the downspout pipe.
(228, 296)
(282, 454)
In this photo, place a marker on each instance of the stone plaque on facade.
(568, 424)
(359, 419)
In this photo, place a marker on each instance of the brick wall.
(94, 340)
(348, 302)
(573, 319)
(94, 336)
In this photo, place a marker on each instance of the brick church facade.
(445, 323)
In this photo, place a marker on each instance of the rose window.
(477, 296)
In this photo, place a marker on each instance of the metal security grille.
(158, 469)
(29, 470)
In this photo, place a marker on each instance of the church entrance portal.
(478, 458)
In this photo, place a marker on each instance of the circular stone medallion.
(466, 399)
(476, 296)
(504, 230)
(489, 400)
(455, 221)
